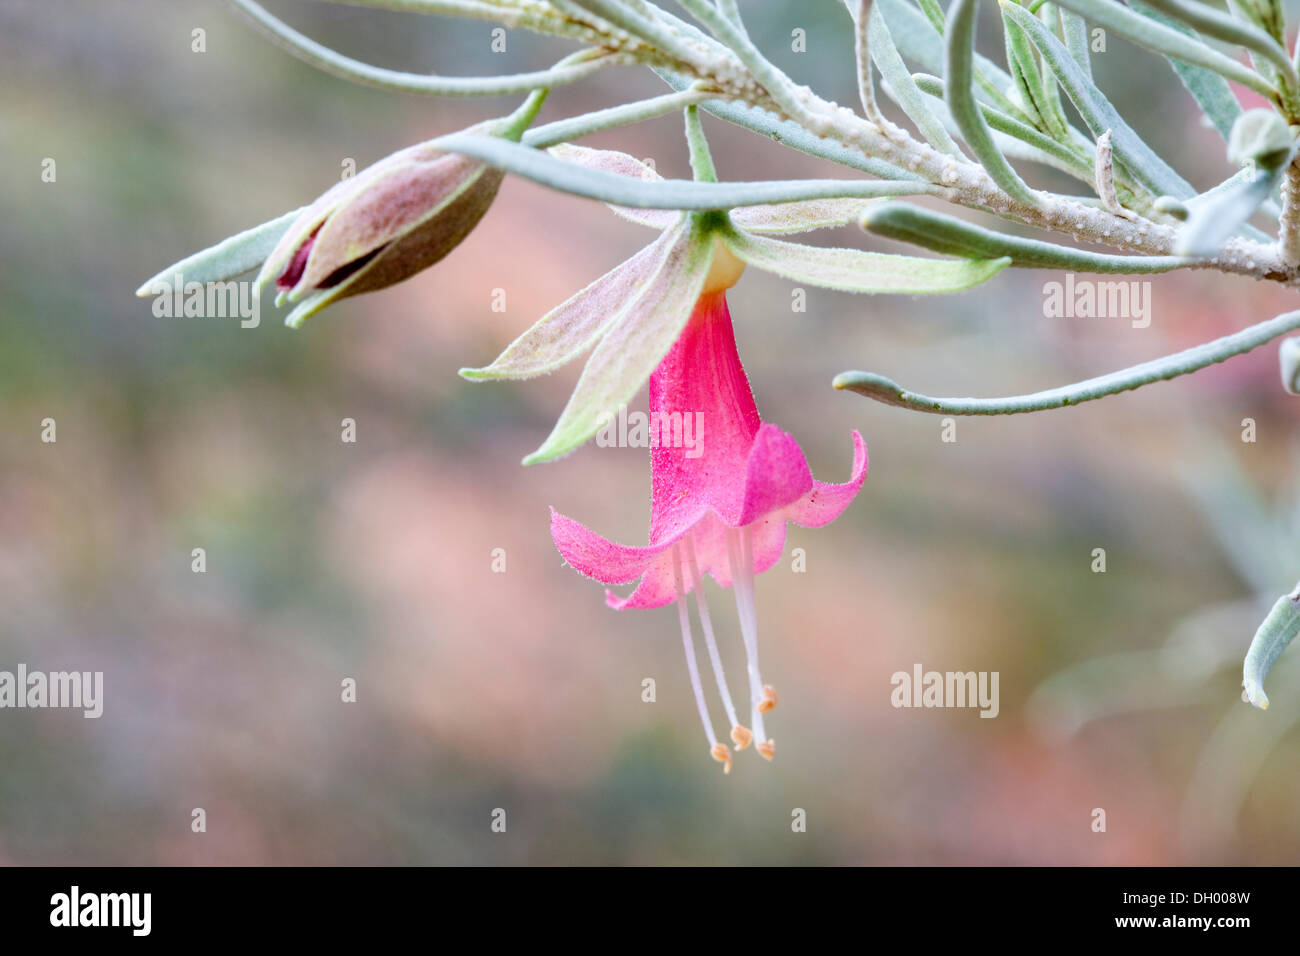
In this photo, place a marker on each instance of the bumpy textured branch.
(1289, 226)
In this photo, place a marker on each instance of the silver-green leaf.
(229, 258)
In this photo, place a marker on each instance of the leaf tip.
(1253, 694)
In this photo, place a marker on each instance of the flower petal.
(623, 164)
(709, 539)
(598, 557)
(634, 345)
(702, 385)
(802, 216)
(656, 588)
(852, 270)
(826, 502)
(420, 246)
(312, 216)
(611, 563)
(394, 204)
(776, 475)
(575, 325)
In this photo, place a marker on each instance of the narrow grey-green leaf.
(1272, 638)
(933, 12)
(960, 96)
(1042, 149)
(1140, 161)
(1205, 19)
(885, 55)
(1211, 91)
(1029, 81)
(1047, 13)
(922, 43)
(681, 194)
(330, 61)
(1074, 30)
(883, 389)
(852, 270)
(1162, 39)
(1045, 149)
(229, 258)
(949, 236)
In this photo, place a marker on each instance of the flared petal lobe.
(598, 557)
(826, 502)
(776, 475)
(610, 563)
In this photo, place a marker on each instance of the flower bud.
(383, 225)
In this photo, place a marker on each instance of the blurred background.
(520, 690)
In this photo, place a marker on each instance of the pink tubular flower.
(722, 512)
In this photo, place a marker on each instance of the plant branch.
(1289, 224)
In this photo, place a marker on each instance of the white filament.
(739, 553)
(709, 641)
(688, 645)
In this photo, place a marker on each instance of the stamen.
(742, 581)
(740, 735)
(688, 644)
(768, 749)
(722, 755)
(768, 703)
